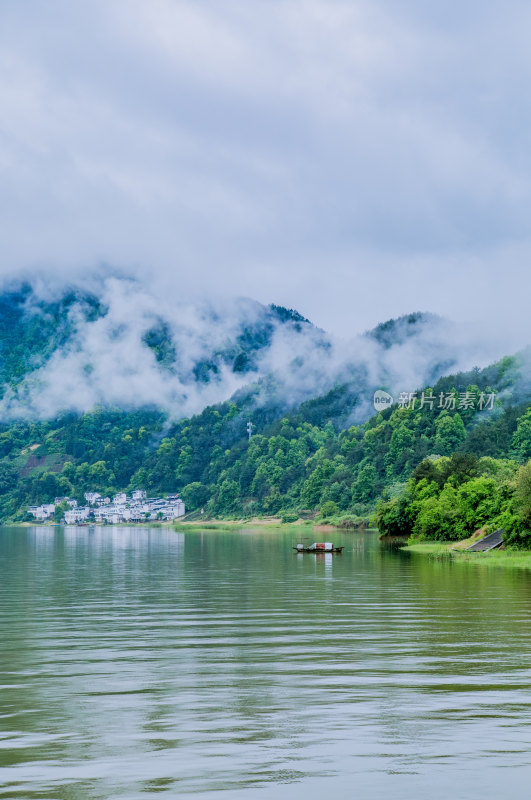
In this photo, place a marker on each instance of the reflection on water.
(143, 661)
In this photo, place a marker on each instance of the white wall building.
(92, 498)
(76, 515)
(42, 512)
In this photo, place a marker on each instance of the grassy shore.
(521, 559)
(231, 524)
(343, 523)
(321, 526)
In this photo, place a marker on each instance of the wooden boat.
(317, 547)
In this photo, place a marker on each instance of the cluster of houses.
(121, 508)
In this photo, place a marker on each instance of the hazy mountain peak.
(118, 341)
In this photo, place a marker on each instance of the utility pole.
(250, 429)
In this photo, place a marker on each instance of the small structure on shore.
(487, 543)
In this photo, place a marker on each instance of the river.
(141, 661)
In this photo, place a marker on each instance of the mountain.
(295, 460)
(69, 348)
(120, 343)
(114, 387)
(33, 328)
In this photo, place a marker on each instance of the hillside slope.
(296, 460)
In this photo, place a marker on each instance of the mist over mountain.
(118, 342)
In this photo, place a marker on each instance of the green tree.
(228, 497)
(437, 517)
(8, 477)
(99, 475)
(450, 433)
(329, 509)
(521, 441)
(59, 512)
(195, 495)
(394, 517)
(313, 486)
(478, 501)
(366, 484)
(522, 494)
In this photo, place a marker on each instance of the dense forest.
(437, 469)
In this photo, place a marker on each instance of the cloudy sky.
(356, 160)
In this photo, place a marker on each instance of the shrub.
(289, 517)
(329, 509)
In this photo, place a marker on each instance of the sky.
(354, 160)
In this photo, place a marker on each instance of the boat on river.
(317, 547)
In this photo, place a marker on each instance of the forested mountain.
(302, 460)
(317, 445)
(119, 343)
(74, 348)
(33, 328)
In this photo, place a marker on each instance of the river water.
(138, 662)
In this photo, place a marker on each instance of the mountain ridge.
(74, 349)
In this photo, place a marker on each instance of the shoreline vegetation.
(300, 462)
(456, 552)
(450, 499)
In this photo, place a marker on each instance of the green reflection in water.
(137, 662)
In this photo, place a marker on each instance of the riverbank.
(520, 559)
(319, 526)
(299, 526)
(323, 525)
(232, 524)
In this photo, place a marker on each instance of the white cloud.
(106, 360)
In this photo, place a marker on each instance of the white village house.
(137, 508)
(42, 512)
